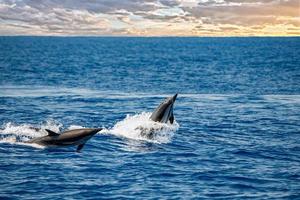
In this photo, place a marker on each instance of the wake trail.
(134, 127)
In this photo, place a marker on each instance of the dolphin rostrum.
(68, 138)
(164, 112)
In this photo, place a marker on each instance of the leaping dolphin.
(164, 112)
(68, 138)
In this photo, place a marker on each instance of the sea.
(236, 133)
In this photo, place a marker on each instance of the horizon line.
(157, 36)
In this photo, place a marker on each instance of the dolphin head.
(90, 132)
(164, 112)
(79, 135)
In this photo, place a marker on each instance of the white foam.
(139, 127)
(19, 134)
(13, 140)
(72, 127)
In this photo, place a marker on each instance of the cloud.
(56, 21)
(247, 13)
(149, 17)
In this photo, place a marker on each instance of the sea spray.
(139, 127)
(135, 127)
(14, 133)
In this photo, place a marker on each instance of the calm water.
(237, 130)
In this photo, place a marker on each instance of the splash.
(140, 127)
(18, 134)
(135, 127)
(72, 127)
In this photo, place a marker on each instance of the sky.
(150, 17)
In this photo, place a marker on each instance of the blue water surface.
(238, 112)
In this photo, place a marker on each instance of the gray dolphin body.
(164, 112)
(68, 138)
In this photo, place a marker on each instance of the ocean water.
(237, 129)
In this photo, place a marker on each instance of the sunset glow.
(150, 17)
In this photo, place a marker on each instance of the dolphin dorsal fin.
(51, 133)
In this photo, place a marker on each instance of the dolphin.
(164, 112)
(68, 138)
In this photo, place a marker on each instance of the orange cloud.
(151, 17)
